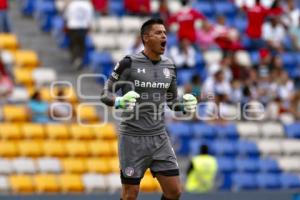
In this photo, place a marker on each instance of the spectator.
(273, 33)
(183, 55)
(276, 9)
(78, 15)
(38, 109)
(61, 109)
(291, 15)
(6, 87)
(295, 34)
(206, 37)
(163, 10)
(283, 87)
(138, 7)
(4, 18)
(217, 84)
(136, 47)
(202, 172)
(295, 106)
(185, 22)
(101, 6)
(194, 87)
(256, 16)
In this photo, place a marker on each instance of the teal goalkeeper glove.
(189, 103)
(127, 101)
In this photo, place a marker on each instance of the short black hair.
(147, 25)
(204, 149)
(184, 2)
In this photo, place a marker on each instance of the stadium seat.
(8, 149)
(45, 183)
(70, 183)
(205, 7)
(289, 164)
(86, 113)
(148, 184)
(19, 95)
(113, 162)
(113, 182)
(117, 55)
(224, 148)
(203, 130)
(270, 129)
(291, 147)
(248, 130)
(246, 165)
(4, 184)
(8, 42)
(5, 166)
(24, 165)
(247, 148)
(103, 41)
(56, 131)
(114, 147)
(77, 148)
(225, 8)
(179, 129)
(10, 131)
(184, 76)
(15, 113)
(33, 131)
(269, 147)
(49, 165)
(116, 7)
(240, 24)
(267, 165)
(21, 184)
(30, 148)
(268, 180)
(228, 131)
(23, 76)
(241, 181)
(74, 165)
(80, 132)
(26, 58)
(212, 56)
(94, 182)
(106, 131)
(126, 40)
(100, 148)
(130, 24)
(54, 148)
(293, 130)
(226, 164)
(98, 165)
(288, 60)
(108, 24)
(289, 180)
(43, 76)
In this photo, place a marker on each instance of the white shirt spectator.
(79, 14)
(273, 34)
(211, 86)
(181, 59)
(284, 90)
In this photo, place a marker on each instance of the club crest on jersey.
(167, 72)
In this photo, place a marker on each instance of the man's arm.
(172, 96)
(120, 72)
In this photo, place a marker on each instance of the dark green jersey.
(155, 82)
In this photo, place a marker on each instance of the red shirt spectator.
(3, 4)
(186, 19)
(100, 5)
(256, 17)
(138, 6)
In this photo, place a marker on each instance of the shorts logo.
(129, 171)
(166, 72)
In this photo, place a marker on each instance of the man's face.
(156, 39)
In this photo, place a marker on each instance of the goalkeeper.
(143, 141)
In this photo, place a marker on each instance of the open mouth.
(163, 44)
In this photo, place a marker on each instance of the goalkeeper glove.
(189, 103)
(127, 101)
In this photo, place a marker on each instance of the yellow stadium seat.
(26, 58)
(8, 149)
(77, 148)
(33, 131)
(86, 113)
(54, 148)
(81, 132)
(57, 131)
(149, 184)
(100, 148)
(23, 76)
(70, 94)
(8, 41)
(106, 131)
(10, 131)
(114, 147)
(15, 113)
(74, 165)
(70, 183)
(113, 162)
(21, 183)
(48, 95)
(46, 183)
(98, 165)
(30, 148)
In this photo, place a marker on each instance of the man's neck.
(151, 56)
